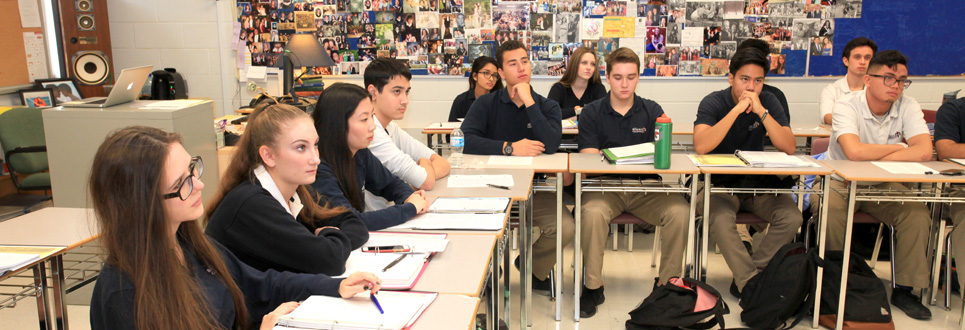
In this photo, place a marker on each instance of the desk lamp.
(302, 50)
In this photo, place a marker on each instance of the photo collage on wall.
(443, 37)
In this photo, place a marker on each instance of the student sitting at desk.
(623, 119)
(580, 84)
(857, 53)
(483, 79)
(765, 48)
(266, 213)
(160, 271)
(870, 125)
(950, 143)
(344, 120)
(387, 80)
(518, 122)
(738, 118)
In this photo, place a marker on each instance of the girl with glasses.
(580, 83)
(160, 271)
(266, 213)
(483, 79)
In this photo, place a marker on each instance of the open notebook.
(402, 309)
(14, 257)
(401, 276)
(469, 205)
(455, 221)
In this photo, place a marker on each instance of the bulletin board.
(13, 67)
(672, 37)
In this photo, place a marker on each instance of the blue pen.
(376, 301)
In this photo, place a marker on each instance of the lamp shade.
(307, 51)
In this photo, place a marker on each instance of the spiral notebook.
(402, 309)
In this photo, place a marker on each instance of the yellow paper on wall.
(618, 27)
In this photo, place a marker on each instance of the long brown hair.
(335, 106)
(573, 68)
(264, 127)
(125, 187)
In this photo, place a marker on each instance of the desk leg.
(690, 267)
(429, 141)
(846, 260)
(507, 295)
(577, 252)
(526, 255)
(705, 229)
(494, 295)
(822, 238)
(558, 269)
(43, 306)
(439, 142)
(60, 305)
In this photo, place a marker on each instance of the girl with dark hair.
(483, 79)
(266, 192)
(580, 83)
(160, 270)
(343, 120)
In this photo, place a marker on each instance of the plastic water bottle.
(457, 141)
(663, 139)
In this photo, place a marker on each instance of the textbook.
(398, 271)
(15, 257)
(568, 123)
(469, 205)
(710, 160)
(635, 154)
(773, 159)
(401, 309)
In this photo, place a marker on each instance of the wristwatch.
(764, 115)
(508, 149)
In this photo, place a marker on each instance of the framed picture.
(38, 98)
(65, 89)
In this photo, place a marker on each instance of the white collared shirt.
(833, 93)
(853, 116)
(293, 205)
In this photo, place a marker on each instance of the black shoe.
(749, 247)
(910, 304)
(516, 262)
(734, 290)
(542, 286)
(656, 283)
(589, 299)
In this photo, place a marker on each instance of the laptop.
(126, 89)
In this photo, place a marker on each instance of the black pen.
(497, 186)
(394, 262)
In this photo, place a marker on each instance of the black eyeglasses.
(187, 186)
(490, 75)
(890, 81)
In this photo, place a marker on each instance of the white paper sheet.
(29, 13)
(510, 161)
(904, 167)
(469, 205)
(479, 181)
(454, 221)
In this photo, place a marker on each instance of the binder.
(401, 276)
(636, 154)
(402, 309)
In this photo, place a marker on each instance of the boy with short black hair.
(856, 56)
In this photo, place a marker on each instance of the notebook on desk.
(126, 88)
(402, 309)
(395, 275)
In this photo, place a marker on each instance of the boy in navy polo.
(518, 122)
(738, 118)
(621, 119)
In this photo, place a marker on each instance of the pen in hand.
(394, 262)
(497, 186)
(375, 300)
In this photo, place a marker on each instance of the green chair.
(25, 152)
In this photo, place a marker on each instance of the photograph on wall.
(827, 28)
(724, 50)
(545, 6)
(542, 39)
(540, 68)
(847, 9)
(666, 70)
(477, 50)
(567, 27)
(616, 8)
(688, 68)
(555, 68)
(733, 9)
(813, 11)
(592, 29)
(671, 55)
(450, 23)
(569, 6)
(511, 16)
(777, 63)
(594, 9)
(541, 22)
(756, 7)
(478, 14)
(713, 67)
(556, 51)
(650, 61)
(427, 20)
(704, 13)
(786, 8)
(656, 39)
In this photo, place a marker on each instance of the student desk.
(52, 226)
(594, 164)
(447, 312)
(867, 172)
(440, 130)
(520, 192)
(808, 131)
(460, 269)
(557, 163)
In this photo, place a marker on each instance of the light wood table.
(449, 311)
(460, 269)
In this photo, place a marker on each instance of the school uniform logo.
(754, 126)
(895, 135)
(529, 125)
(638, 130)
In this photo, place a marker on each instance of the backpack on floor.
(866, 306)
(782, 291)
(682, 303)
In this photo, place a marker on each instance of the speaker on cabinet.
(90, 67)
(85, 22)
(83, 5)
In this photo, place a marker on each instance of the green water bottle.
(663, 139)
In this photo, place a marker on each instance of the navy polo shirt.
(950, 121)
(748, 131)
(494, 119)
(601, 127)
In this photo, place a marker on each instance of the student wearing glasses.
(483, 79)
(266, 212)
(580, 84)
(160, 270)
(870, 125)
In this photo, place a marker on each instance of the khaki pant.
(911, 222)
(779, 211)
(957, 213)
(544, 217)
(670, 211)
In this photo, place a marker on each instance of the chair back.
(819, 145)
(24, 146)
(929, 115)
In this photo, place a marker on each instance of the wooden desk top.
(522, 184)
(449, 311)
(868, 172)
(752, 170)
(595, 164)
(52, 226)
(461, 268)
(446, 128)
(545, 163)
(799, 130)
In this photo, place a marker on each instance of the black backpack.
(784, 289)
(672, 307)
(867, 300)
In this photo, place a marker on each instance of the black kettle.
(168, 84)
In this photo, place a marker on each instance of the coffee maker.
(168, 84)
